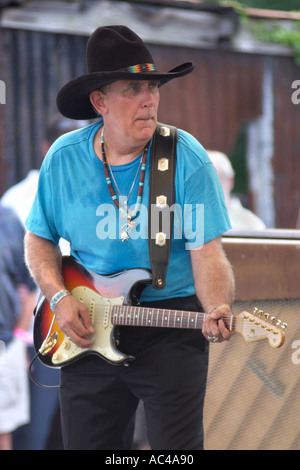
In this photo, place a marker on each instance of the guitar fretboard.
(144, 316)
(164, 318)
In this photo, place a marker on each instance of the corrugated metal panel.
(35, 66)
(287, 144)
(216, 100)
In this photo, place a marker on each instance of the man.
(16, 306)
(240, 217)
(79, 198)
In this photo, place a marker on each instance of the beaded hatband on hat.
(140, 68)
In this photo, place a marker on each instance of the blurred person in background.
(21, 196)
(37, 434)
(17, 301)
(240, 217)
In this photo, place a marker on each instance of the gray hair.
(221, 162)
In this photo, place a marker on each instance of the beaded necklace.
(125, 211)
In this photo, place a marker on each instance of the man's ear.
(97, 101)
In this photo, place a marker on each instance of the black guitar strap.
(161, 200)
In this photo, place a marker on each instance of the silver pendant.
(126, 229)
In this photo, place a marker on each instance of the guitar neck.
(147, 316)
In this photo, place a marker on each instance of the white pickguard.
(103, 340)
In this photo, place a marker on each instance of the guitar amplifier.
(253, 392)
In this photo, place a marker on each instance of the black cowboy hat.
(113, 53)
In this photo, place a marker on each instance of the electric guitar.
(111, 300)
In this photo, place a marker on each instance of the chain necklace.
(124, 210)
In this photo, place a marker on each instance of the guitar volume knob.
(57, 357)
(66, 344)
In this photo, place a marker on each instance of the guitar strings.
(139, 316)
(144, 316)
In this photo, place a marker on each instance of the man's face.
(131, 109)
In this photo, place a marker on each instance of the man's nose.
(148, 97)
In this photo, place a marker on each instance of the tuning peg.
(281, 324)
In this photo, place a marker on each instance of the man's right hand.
(74, 320)
(44, 262)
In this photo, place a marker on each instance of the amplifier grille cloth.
(253, 393)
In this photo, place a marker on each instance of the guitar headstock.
(260, 325)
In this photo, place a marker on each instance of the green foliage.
(238, 160)
(285, 5)
(271, 31)
(280, 35)
(267, 4)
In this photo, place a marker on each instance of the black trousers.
(99, 400)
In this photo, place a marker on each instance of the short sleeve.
(41, 219)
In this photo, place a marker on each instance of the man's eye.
(154, 85)
(134, 87)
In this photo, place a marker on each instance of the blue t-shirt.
(73, 202)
